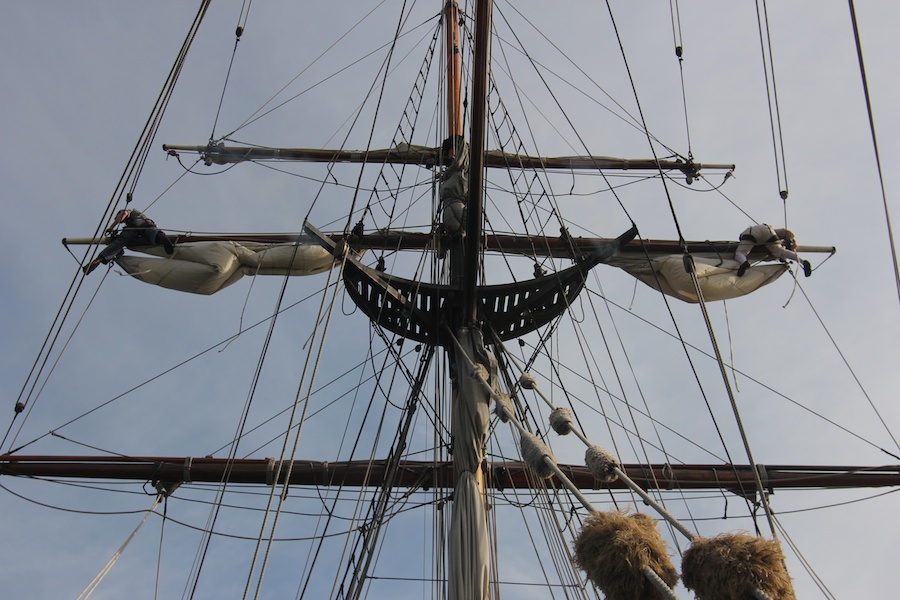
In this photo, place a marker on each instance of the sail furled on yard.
(717, 276)
(455, 189)
(207, 267)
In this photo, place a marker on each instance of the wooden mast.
(468, 547)
(474, 209)
(454, 70)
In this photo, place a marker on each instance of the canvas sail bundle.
(717, 276)
(207, 267)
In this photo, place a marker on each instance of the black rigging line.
(32, 394)
(258, 115)
(852, 372)
(204, 545)
(631, 409)
(681, 239)
(237, 38)
(865, 83)
(757, 381)
(386, 67)
(765, 43)
(556, 99)
(403, 134)
(631, 120)
(165, 372)
(159, 553)
(130, 173)
(679, 53)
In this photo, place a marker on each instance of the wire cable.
(865, 83)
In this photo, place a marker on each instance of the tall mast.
(454, 70)
(476, 173)
(468, 548)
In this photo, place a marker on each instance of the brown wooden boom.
(428, 474)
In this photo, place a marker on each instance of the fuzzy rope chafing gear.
(503, 407)
(533, 453)
(613, 548)
(601, 463)
(527, 381)
(561, 420)
(731, 565)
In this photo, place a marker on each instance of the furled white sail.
(717, 276)
(468, 547)
(207, 267)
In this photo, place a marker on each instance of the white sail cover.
(468, 550)
(207, 267)
(717, 276)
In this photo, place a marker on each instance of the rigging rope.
(631, 410)
(237, 39)
(86, 593)
(159, 553)
(760, 489)
(865, 83)
(852, 372)
(603, 465)
(130, 173)
(688, 258)
(765, 43)
(534, 451)
(757, 381)
(517, 145)
(675, 15)
(287, 475)
(806, 565)
(258, 114)
(32, 394)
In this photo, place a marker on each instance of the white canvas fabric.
(469, 558)
(717, 276)
(207, 267)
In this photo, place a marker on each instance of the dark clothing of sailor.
(139, 230)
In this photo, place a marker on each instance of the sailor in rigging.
(139, 230)
(781, 243)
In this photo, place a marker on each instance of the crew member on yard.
(139, 230)
(780, 243)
